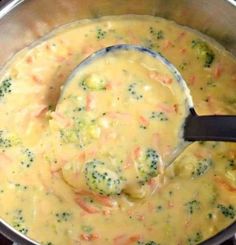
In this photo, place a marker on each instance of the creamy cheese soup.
(83, 171)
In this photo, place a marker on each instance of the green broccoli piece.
(5, 87)
(8, 140)
(21, 187)
(159, 115)
(101, 34)
(18, 221)
(231, 164)
(63, 217)
(197, 237)
(86, 228)
(147, 165)
(102, 179)
(228, 212)
(157, 34)
(82, 133)
(202, 167)
(192, 206)
(27, 158)
(4, 141)
(93, 82)
(203, 51)
(132, 89)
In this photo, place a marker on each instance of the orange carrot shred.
(223, 183)
(85, 206)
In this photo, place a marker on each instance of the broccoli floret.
(157, 34)
(228, 212)
(63, 217)
(102, 179)
(82, 133)
(132, 89)
(159, 115)
(147, 165)
(4, 141)
(197, 237)
(202, 167)
(93, 82)
(86, 228)
(192, 206)
(18, 221)
(5, 87)
(21, 187)
(27, 158)
(100, 34)
(203, 51)
(231, 164)
(8, 140)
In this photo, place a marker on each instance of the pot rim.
(15, 236)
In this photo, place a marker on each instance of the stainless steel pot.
(23, 21)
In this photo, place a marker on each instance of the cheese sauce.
(82, 172)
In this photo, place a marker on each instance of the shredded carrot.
(143, 121)
(167, 44)
(165, 108)
(232, 154)
(85, 206)
(137, 152)
(64, 122)
(225, 184)
(128, 162)
(176, 108)
(106, 201)
(4, 159)
(29, 59)
(36, 79)
(89, 237)
(183, 50)
(192, 80)
(133, 239)
(39, 111)
(181, 35)
(217, 71)
(106, 212)
(119, 240)
(170, 204)
(87, 50)
(141, 217)
(160, 78)
(119, 115)
(156, 139)
(89, 102)
(60, 58)
(109, 86)
(152, 183)
(204, 153)
(125, 240)
(82, 157)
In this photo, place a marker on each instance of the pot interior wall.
(32, 19)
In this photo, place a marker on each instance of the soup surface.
(81, 172)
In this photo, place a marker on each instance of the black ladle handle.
(210, 128)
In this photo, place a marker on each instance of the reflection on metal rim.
(9, 6)
(232, 2)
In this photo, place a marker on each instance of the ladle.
(195, 128)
